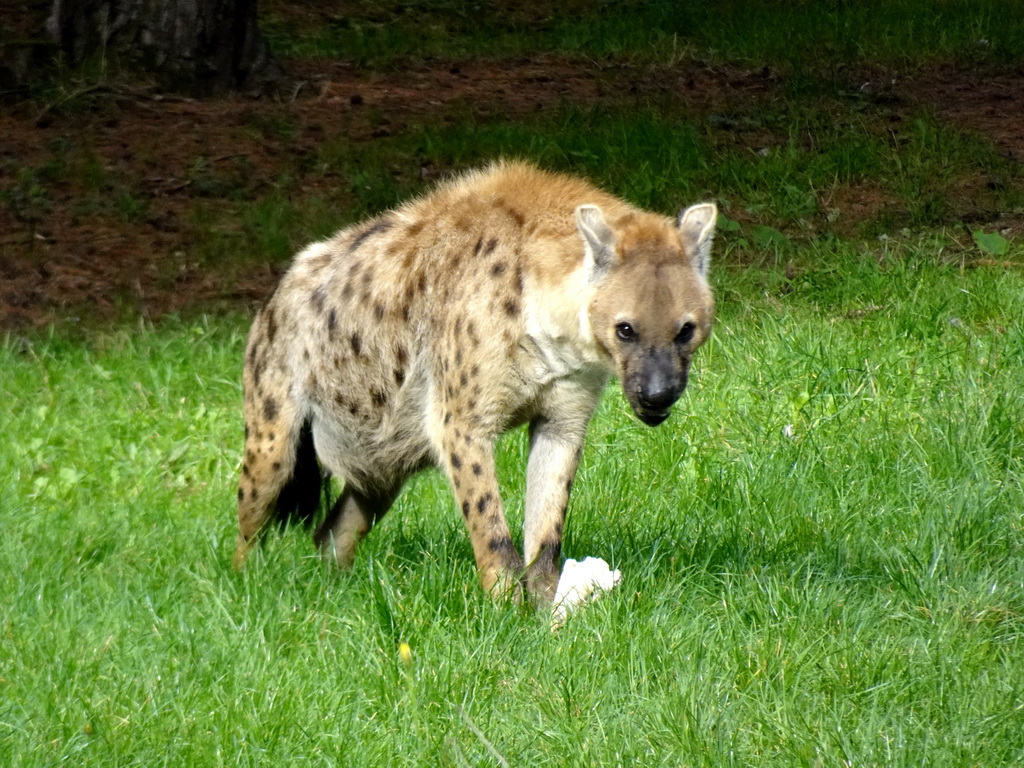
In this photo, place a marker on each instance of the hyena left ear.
(697, 225)
(599, 239)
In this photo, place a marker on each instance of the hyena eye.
(625, 332)
(685, 333)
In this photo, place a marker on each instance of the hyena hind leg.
(280, 473)
(348, 522)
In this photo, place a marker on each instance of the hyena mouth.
(651, 418)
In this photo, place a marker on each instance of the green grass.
(792, 34)
(823, 557)
(926, 174)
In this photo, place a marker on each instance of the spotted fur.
(505, 297)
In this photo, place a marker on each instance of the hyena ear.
(697, 225)
(599, 239)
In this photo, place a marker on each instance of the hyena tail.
(300, 498)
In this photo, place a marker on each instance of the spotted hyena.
(505, 297)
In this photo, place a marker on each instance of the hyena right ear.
(697, 225)
(598, 238)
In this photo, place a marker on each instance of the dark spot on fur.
(414, 229)
(379, 398)
(456, 461)
(355, 343)
(447, 417)
(406, 313)
(500, 544)
(271, 325)
(491, 245)
(346, 290)
(313, 384)
(250, 457)
(272, 437)
(477, 469)
(253, 493)
(478, 246)
(402, 356)
(245, 470)
(458, 357)
(332, 322)
(498, 269)
(318, 297)
(511, 307)
(305, 354)
(511, 212)
(399, 375)
(241, 495)
(270, 409)
(482, 503)
(463, 379)
(421, 284)
(474, 371)
(519, 279)
(276, 466)
(547, 558)
(378, 311)
(376, 228)
(465, 508)
(367, 277)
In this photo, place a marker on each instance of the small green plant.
(991, 243)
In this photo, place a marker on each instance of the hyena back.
(505, 297)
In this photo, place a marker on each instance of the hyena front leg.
(469, 461)
(554, 457)
(348, 522)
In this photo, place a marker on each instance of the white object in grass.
(581, 580)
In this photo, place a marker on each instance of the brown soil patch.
(986, 101)
(61, 260)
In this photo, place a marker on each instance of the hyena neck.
(558, 335)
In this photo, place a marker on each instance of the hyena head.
(650, 305)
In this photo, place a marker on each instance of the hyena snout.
(660, 380)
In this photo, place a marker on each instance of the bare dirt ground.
(61, 262)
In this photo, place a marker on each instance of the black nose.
(658, 391)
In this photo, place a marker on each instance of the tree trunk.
(202, 47)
